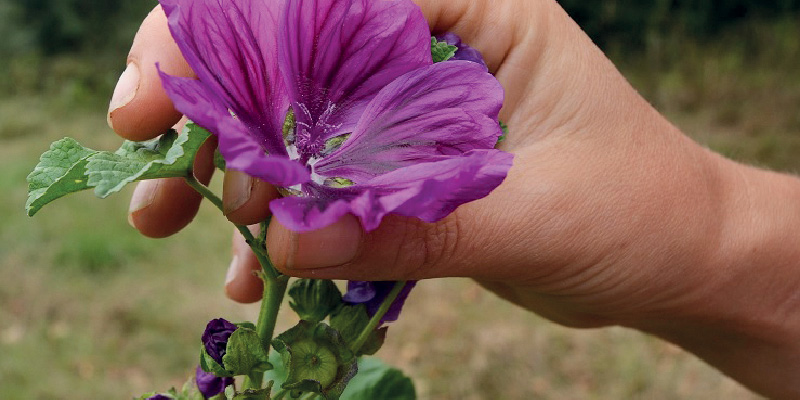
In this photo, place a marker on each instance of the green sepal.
(376, 380)
(210, 365)
(245, 353)
(61, 170)
(441, 51)
(350, 321)
(168, 156)
(316, 358)
(245, 324)
(314, 299)
(504, 128)
(252, 394)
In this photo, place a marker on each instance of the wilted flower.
(215, 338)
(338, 103)
(209, 384)
(372, 295)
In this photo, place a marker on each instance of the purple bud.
(215, 338)
(463, 52)
(159, 397)
(209, 384)
(372, 295)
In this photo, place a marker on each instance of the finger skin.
(245, 198)
(171, 204)
(241, 283)
(150, 112)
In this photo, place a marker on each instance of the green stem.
(259, 250)
(274, 283)
(274, 290)
(376, 319)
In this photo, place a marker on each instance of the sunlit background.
(91, 310)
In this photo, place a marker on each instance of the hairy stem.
(258, 247)
(274, 283)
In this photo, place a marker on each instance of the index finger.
(140, 109)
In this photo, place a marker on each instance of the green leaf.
(68, 167)
(314, 299)
(61, 171)
(376, 380)
(245, 353)
(278, 372)
(316, 358)
(170, 155)
(219, 161)
(441, 51)
(350, 321)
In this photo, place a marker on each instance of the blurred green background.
(90, 310)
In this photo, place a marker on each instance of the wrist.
(746, 320)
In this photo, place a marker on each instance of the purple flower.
(215, 338)
(379, 128)
(159, 397)
(372, 295)
(209, 384)
(463, 52)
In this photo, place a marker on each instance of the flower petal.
(243, 153)
(373, 294)
(232, 47)
(444, 109)
(336, 55)
(209, 384)
(429, 191)
(239, 146)
(302, 214)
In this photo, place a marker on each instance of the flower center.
(305, 143)
(310, 136)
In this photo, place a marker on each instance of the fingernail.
(143, 196)
(125, 91)
(236, 187)
(333, 245)
(233, 269)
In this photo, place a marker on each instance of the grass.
(90, 309)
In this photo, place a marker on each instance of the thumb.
(401, 248)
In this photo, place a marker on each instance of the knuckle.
(432, 247)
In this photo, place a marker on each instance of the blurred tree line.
(72, 48)
(47, 44)
(632, 22)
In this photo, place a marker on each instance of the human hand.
(609, 216)
(574, 121)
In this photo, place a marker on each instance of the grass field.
(91, 310)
